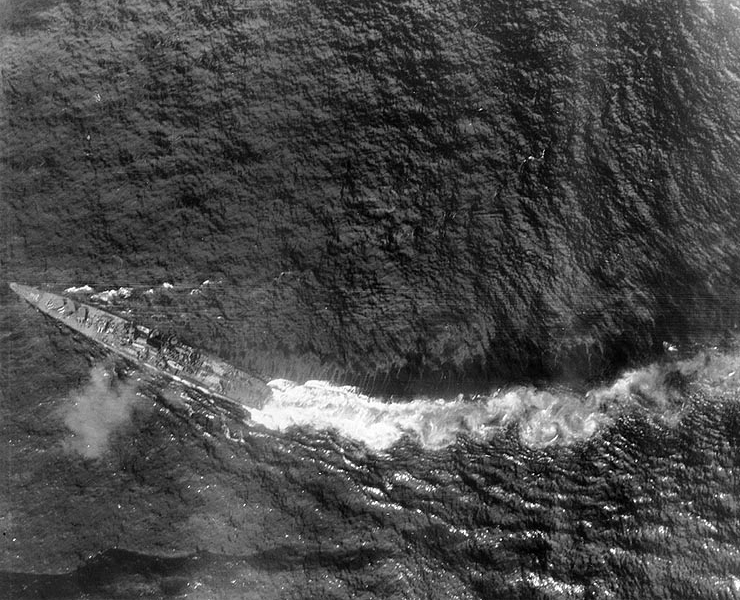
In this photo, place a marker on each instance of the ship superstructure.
(151, 349)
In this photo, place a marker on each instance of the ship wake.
(542, 417)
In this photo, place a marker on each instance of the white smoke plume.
(98, 409)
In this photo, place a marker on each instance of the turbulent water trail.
(543, 416)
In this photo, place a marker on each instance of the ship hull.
(151, 350)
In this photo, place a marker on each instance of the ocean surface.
(484, 255)
(124, 486)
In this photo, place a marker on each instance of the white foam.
(709, 371)
(109, 295)
(543, 417)
(85, 289)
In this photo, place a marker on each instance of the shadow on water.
(117, 573)
(111, 573)
(19, 15)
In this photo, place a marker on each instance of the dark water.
(413, 196)
(118, 490)
(514, 224)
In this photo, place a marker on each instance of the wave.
(82, 289)
(110, 295)
(542, 416)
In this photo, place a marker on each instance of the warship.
(152, 350)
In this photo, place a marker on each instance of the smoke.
(96, 410)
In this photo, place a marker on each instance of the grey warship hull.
(151, 349)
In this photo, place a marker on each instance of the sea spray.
(542, 416)
(98, 409)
